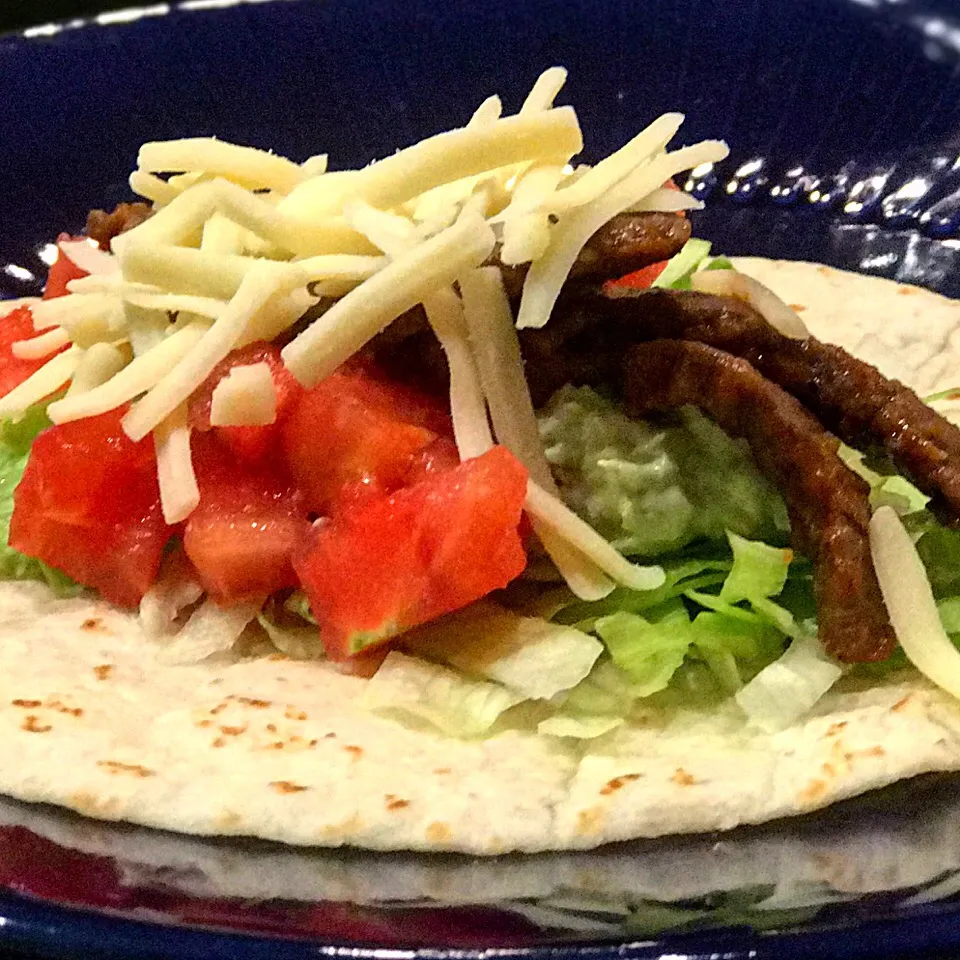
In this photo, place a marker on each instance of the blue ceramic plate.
(842, 117)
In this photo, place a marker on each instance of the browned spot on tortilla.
(233, 731)
(442, 770)
(312, 743)
(829, 769)
(93, 805)
(875, 751)
(32, 725)
(252, 702)
(826, 271)
(92, 623)
(438, 832)
(278, 656)
(682, 778)
(61, 707)
(901, 704)
(103, 670)
(835, 728)
(271, 728)
(612, 786)
(330, 736)
(355, 752)
(115, 766)
(395, 803)
(276, 745)
(285, 786)
(907, 291)
(799, 307)
(228, 820)
(219, 708)
(589, 820)
(352, 825)
(205, 723)
(29, 704)
(219, 742)
(813, 791)
(291, 713)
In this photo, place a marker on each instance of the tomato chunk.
(62, 271)
(249, 443)
(15, 326)
(89, 504)
(241, 536)
(643, 278)
(399, 560)
(353, 432)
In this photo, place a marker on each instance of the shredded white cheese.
(364, 312)
(253, 296)
(246, 165)
(36, 348)
(53, 375)
(179, 493)
(140, 375)
(100, 362)
(246, 396)
(544, 91)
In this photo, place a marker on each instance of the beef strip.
(827, 502)
(103, 226)
(589, 329)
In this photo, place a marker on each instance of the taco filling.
(486, 430)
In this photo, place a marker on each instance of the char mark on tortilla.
(827, 502)
(851, 398)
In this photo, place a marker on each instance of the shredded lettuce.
(15, 441)
(676, 274)
(787, 688)
(529, 655)
(408, 688)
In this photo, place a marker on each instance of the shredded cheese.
(246, 165)
(547, 275)
(553, 135)
(100, 362)
(179, 493)
(364, 312)
(544, 91)
(254, 294)
(246, 396)
(388, 232)
(184, 270)
(486, 114)
(611, 170)
(152, 188)
(315, 166)
(496, 351)
(468, 409)
(138, 376)
(36, 348)
(222, 235)
(53, 375)
(549, 511)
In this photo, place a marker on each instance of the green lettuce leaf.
(676, 274)
(15, 441)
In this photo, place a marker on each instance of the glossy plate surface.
(843, 119)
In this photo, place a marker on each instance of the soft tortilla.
(92, 719)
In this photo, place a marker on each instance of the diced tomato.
(242, 535)
(62, 272)
(426, 550)
(89, 505)
(352, 432)
(15, 326)
(251, 444)
(643, 278)
(438, 457)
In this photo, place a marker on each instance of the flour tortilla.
(260, 745)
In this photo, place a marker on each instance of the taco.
(307, 541)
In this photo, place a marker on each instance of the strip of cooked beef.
(103, 226)
(827, 502)
(589, 329)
